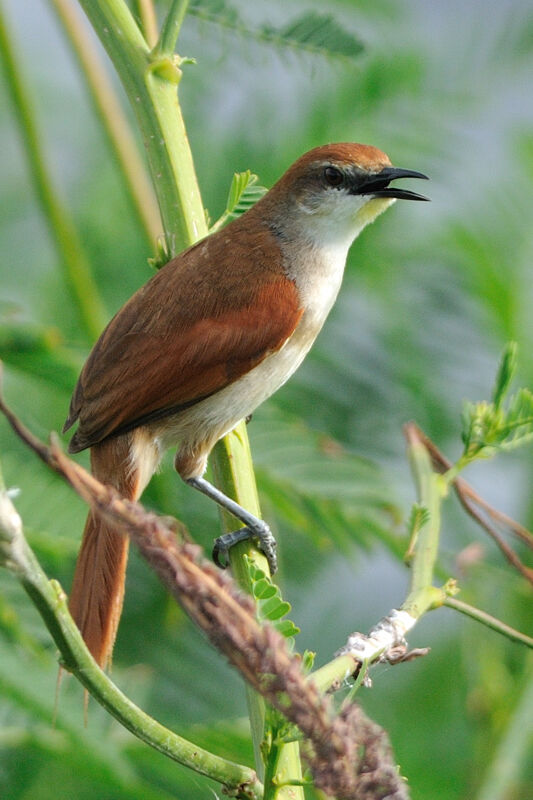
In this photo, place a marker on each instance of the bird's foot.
(267, 544)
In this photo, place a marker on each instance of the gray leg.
(255, 528)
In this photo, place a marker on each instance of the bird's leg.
(255, 528)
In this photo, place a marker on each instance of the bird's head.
(333, 191)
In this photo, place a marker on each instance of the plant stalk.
(76, 269)
(150, 80)
(113, 120)
(430, 490)
(171, 28)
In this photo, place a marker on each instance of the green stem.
(146, 13)
(154, 100)
(232, 465)
(280, 781)
(430, 490)
(361, 651)
(488, 620)
(334, 673)
(51, 602)
(113, 120)
(171, 28)
(76, 267)
(150, 82)
(451, 474)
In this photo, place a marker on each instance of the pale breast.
(198, 428)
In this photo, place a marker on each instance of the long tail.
(98, 587)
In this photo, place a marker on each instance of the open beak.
(378, 184)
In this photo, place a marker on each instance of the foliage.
(311, 32)
(243, 193)
(270, 605)
(489, 427)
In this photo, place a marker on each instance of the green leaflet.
(270, 605)
(311, 32)
(497, 425)
(244, 192)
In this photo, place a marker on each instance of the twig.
(148, 19)
(488, 620)
(386, 640)
(469, 499)
(171, 28)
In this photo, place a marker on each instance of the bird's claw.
(267, 544)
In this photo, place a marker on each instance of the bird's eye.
(333, 176)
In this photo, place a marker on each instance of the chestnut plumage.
(214, 333)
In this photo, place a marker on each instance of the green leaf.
(417, 519)
(308, 660)
(244, 192)
(270, 605)
(315, 33)
(287, 628)
(274, 608)
(263, 589)
(505, 374)
(312, 32)
(488, 427)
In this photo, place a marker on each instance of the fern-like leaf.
(243, 193)
(315, 33)
(417, 519)
(312, 32)
(270, 605)
(505, 374)
(499, 425)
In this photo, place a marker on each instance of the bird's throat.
(373, 209)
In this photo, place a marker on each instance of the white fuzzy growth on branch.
(388, 634)
(11, 537)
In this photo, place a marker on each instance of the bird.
(206, 340)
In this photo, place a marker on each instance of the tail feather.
(98, 587)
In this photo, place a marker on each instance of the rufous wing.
(203, 321)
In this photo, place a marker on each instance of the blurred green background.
(432, 293)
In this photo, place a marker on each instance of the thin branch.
(514, 527)
(76, 268)
(114, 122)
(469, 499)
(386, 640)
(171, 28)
(429, 492)
(389, 634)
(148, 20)
(488, 620)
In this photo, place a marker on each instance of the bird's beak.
(378, 184)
